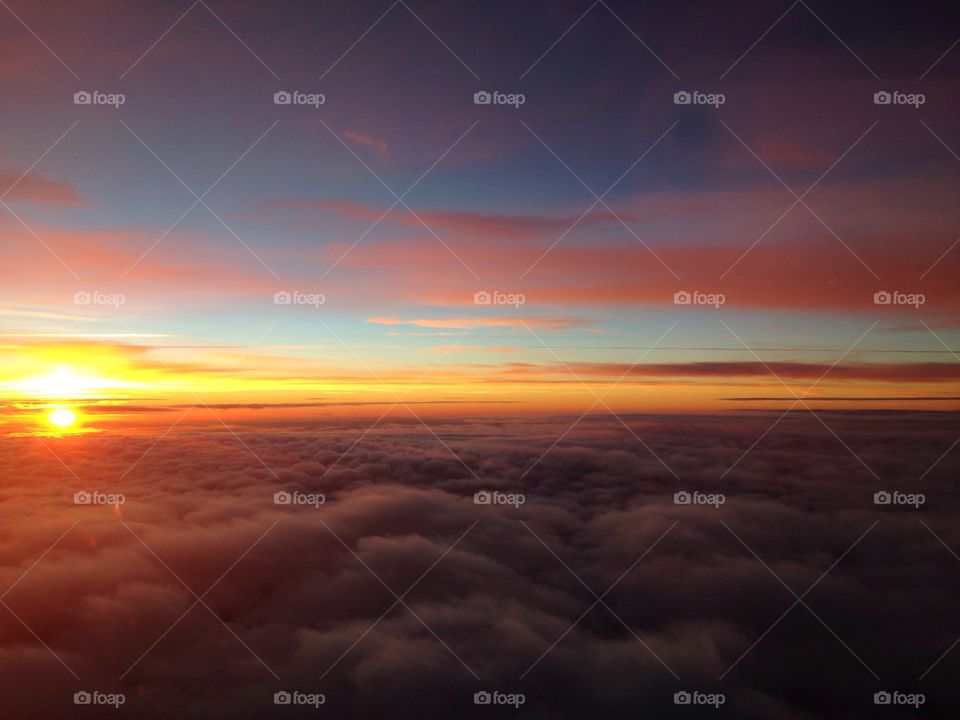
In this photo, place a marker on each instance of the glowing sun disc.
(61, 417)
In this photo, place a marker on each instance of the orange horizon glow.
(114, 386)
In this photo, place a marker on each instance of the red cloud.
(367, 141)
(877, 372)
(39, 189)
(545, 323)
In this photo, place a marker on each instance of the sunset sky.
(547, 359)
(398, 199)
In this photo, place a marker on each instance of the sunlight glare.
(61, 417)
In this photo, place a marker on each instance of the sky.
(547, 359)
(144, 243)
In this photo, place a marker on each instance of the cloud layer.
(298, 587)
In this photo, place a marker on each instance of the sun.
(61, 417)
